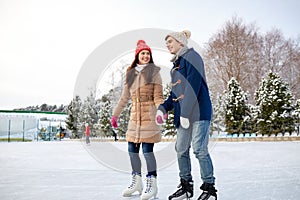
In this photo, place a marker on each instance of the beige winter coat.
(146, 97)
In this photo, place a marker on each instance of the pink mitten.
(159, 119)
(114, 121)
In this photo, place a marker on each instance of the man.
(192, 115)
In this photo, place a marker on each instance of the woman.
(87, 133)
(144, 86)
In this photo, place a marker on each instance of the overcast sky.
(43, 44)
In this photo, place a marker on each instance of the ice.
(70, 170)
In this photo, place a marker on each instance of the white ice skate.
(151, 188)
(136, 185)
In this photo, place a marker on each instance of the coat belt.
(142, 99)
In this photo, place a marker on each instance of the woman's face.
(144, 57)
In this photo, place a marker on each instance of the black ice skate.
(185, 191)
(209, 192)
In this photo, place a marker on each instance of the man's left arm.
(192, 86)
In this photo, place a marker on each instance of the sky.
(43, 44)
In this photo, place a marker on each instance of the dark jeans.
(133, 149)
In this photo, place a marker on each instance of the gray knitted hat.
(181, 37)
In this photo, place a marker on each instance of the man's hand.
(184, 122)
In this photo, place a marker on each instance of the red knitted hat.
(141, 45)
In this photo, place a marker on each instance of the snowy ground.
(68, 170)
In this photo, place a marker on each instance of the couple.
(192, 115)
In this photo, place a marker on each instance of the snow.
(68, 169)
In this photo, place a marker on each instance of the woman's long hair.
(130, 73)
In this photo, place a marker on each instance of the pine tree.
(296, 115)
(274, 101)
(124, 119)
(236, 109)
(72, 121)
(104, 116)
(250, 125)
(89, 114)
(218, 114)
(169, 128)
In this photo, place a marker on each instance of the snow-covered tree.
(250, 126)
(124, 119)
(236, 109)
(296, 115)
(234, 51)
(169, 127)
(282, 56)
(72, 121)
(104, 116)
(218, 114)
(274, 101)
(239, 50)
(89, 114)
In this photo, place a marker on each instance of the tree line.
(275, 111)
(45, 108)
(239, 50)
(97, 113)
(254, 81)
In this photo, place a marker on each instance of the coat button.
(180, 97)
(177, 82)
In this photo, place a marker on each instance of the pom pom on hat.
(187, 33)
(140, 42)
(181, 37)
(140, 46)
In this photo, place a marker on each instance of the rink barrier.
(25, 126)
(214, 137)
(248, 137)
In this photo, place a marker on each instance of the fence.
(29, 126)
(17, 128)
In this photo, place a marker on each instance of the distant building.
(30, 125)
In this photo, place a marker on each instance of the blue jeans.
(133, 149)
(197, 135)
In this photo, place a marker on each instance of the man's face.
(173, 45)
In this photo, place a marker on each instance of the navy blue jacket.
(189, 96)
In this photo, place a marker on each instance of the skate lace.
(133, 182)
(181, 191)
(148, 185)
(206, 196)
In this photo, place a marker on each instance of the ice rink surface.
(70, 170)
